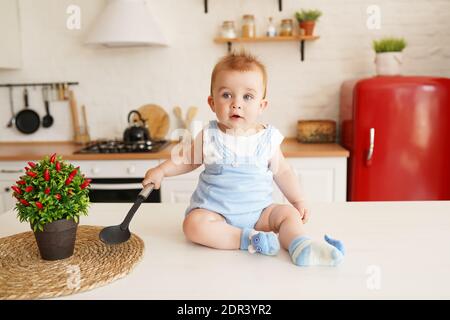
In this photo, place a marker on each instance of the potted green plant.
(307, 20)
(51, 196)
(388, 57)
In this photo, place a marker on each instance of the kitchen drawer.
(12, 170)
(7, 201)
(116, 168)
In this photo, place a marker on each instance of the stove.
(119, 146)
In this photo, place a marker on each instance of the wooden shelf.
(266, 39)
(299, 38)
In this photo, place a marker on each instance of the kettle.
(135, 131)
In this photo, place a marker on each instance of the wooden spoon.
(178, 114)
(191, 113)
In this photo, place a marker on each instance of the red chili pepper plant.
(50, 190)
(51, 196)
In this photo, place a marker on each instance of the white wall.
(114, 81)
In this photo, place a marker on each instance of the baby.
(232, 206)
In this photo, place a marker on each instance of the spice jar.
(248, 26)
(286, 28)
(228, 31)
(271, 29)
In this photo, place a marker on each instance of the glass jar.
(287, 27)
(228, 31)
(271, 29)
(248, 26)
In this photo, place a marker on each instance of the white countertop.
(395, 250)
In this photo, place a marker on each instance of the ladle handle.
(140, 198)
(146, 191)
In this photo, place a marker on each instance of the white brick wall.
(114, 81)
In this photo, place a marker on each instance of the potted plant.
(307, 20)
(51, 196)
(388, 58)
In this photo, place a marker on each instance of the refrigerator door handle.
(371, 146)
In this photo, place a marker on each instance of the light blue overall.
(237, 187)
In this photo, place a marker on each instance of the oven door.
(119, 190)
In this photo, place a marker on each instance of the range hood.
(126, 23)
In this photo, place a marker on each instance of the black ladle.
(121, 233)
(47, 121)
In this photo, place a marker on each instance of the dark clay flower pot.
(57, 241)
(308, 26)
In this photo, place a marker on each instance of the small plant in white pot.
(388, 58)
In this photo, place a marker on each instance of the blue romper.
(236, 185)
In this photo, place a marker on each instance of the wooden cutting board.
(157, 120)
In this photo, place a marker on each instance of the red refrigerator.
(398, 132)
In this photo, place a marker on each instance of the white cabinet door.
(10, 171)
(180, 188)
(10, 35)
(177, 191)
(7, 201)
(321, 179)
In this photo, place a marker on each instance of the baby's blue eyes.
(227, 95)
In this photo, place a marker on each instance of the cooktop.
(119, 146)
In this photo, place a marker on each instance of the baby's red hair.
(241, 61)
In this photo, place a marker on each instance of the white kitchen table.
(394, 250)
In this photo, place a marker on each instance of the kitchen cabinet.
(180, 188)
(323, 179)
(9, 172)
(6, 200)
(10, 35)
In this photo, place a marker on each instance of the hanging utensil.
(60, 91)
(85, 137)
(11, 105)
(191, 113)
(75, 119)
(47, 121)
(27, 120)
(54, 92)
(156, 119)
(121, 233)
(179, 115)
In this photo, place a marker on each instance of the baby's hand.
(304, 212)
(155, 176)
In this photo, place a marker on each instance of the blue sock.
(245, 238)
(335, 243)
(306, 252)
(261, 242)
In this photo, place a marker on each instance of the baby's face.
(238, 98)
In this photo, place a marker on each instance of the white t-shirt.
(240, 145)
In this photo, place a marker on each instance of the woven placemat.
(24, 275)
